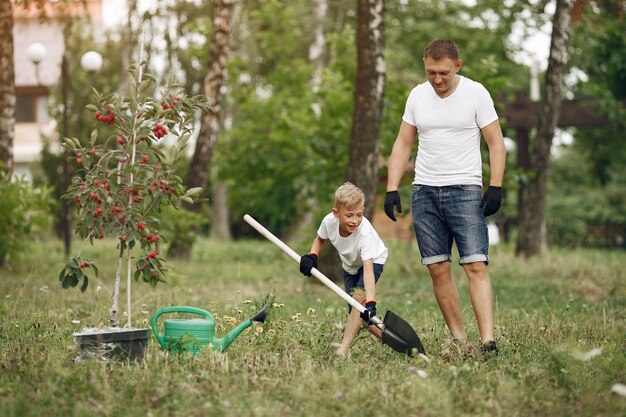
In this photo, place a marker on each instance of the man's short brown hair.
(441, 49)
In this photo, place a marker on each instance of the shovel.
(396, 332)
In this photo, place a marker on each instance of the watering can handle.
(175, 309)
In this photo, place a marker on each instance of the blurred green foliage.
(25, 215)
(283, 148)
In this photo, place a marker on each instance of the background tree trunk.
(7, 85)
(128, 46)
(220, 224)
(199, 167)
(368, 100)
(366, 118)
(198, 173)
(530, 235)
(317, 52)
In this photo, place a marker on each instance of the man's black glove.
(308, 262)
(491, 200)
(369, 312)
(392, 199)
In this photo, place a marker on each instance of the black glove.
(491, 200)
(308, 262)
(369, 312)
(392, 199)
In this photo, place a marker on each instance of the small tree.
(123, 181)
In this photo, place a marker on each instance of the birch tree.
(7, 85)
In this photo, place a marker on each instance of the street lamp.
(91, 62)
(36, 52)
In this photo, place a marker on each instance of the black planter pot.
(113, 344)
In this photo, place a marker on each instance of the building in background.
(43, 25)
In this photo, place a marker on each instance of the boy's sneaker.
(490, 348)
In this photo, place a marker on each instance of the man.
(449, 113)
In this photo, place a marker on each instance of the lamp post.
(91, 62)
(36, 52)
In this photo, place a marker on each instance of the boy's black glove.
(308, 262)
(369, 312)
(392, 199)
(491, 200)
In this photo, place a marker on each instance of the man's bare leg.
(448, 298)
(481, 295)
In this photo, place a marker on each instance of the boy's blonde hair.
(349, 195)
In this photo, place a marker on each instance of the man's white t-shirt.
(360, 246)
(449, 132)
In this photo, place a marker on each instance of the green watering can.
(192, 335)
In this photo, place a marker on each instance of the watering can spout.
(259, 317)
(228, 339)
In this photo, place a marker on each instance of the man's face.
(441, 73)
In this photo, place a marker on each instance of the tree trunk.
(224, 12)
(368, 100)
(220, 224)
(128, 46)
(317, 51)
(530, 235)
(7, 86)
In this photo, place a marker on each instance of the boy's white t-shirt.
(449, 132)
(360, 246)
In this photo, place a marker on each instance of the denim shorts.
(442, 215)
(351, 282)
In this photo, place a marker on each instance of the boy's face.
(349, 218)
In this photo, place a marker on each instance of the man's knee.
(475, 268)
(438, 269)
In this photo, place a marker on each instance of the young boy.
(362, 254)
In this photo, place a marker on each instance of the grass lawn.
(560, 326)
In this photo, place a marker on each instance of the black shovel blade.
(400, 336)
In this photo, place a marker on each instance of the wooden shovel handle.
(315, 272)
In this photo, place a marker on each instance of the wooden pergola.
(522, 115)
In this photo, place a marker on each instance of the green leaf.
(193, 191)
(83, 288)
(94, 267)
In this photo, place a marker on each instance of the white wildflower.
(619, 389)
(588, 355)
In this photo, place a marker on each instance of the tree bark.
(224, 12)
(317, 52)
(198, 173)
(128, 46)
(7, 86)
(220, 224)
(530, 234)
(368, 100)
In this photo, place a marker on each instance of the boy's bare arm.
(317, 245)
(368, 280)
